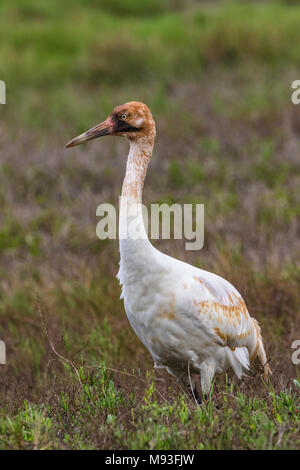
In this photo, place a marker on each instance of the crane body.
(190, 320)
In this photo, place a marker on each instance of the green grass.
(98, 413)
(217, 77)
(50, 56)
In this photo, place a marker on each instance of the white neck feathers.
(136, 168)
(132, 234)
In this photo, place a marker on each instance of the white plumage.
(190, 320)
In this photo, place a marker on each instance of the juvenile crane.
(190, 320)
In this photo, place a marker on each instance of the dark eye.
(123, 116)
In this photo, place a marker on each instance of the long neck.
(132, 232)
(136, 169)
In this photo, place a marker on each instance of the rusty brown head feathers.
(132, 120)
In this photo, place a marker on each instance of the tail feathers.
(239, 360)
(259, 350)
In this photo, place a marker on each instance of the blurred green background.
(75, 60)
(217, 76)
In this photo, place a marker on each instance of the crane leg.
(188, 381)
(197, 396)
(207, 371)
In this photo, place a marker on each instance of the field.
(217, 77)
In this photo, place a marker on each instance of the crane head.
(132, 120)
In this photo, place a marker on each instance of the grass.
(217, 77)
(236, 422)
(161, 48)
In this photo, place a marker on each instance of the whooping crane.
(190, 320)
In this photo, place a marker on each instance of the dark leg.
(197, 396)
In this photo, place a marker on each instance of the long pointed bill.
(105, 128)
